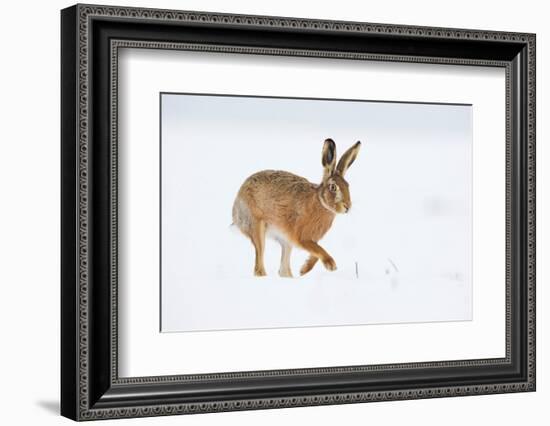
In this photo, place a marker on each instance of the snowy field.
(403, 252)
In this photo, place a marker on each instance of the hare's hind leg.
(254, 229)
(257, 236)
(284, 270)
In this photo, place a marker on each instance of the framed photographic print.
(263, 212)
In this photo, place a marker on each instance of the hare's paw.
(285, 273)
(259, 272)
(308, 265)
(305, 268)
(329, 263)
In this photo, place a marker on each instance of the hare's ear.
(329, 158)
(348, 158)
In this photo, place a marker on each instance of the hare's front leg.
(308, 264)
(257, 235)
(284, 270)
(319, 252)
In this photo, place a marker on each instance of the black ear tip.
(358, 143)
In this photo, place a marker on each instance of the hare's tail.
(234, 228)
(241, 216)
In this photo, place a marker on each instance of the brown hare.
(294, 211)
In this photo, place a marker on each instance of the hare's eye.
(332, 187)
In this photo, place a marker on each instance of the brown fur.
(296, 211)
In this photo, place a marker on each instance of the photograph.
(301, 212)
(267, 208)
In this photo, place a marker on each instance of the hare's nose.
(347, 207)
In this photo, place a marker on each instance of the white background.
(29, 229)
(141, 346)
(411, 195)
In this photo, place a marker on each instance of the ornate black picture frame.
(90, 385)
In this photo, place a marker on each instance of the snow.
(403, 252)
